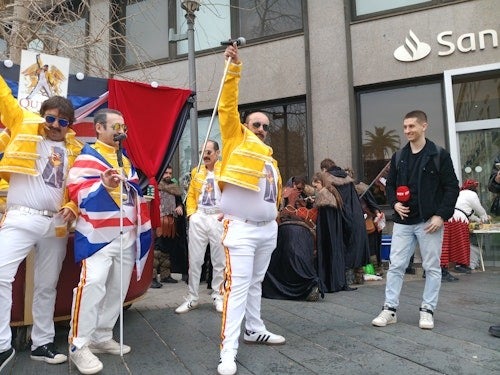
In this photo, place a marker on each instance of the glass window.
(381, 116)
(477, 97)
(253, 19)
(477, 151)
(211, 26)
(146, 31)
(261, 18)
(369, 6)
(287, 137)
(67, 34)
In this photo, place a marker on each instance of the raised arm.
(229, 118)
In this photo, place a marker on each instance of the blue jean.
(404, 240)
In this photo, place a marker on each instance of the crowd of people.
(293, 242)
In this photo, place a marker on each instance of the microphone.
(403, 194)
(239, 42)
(119, 137)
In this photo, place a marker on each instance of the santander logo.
(412, 50)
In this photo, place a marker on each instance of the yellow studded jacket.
(194, 190)
(243, 153)
(26, 130)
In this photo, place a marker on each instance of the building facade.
(336, 77)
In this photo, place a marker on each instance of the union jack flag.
(98, 222)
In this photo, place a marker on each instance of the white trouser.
(205, 229)
(20, 232)
(248, 253)
(96, 299)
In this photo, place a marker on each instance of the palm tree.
(381, 144)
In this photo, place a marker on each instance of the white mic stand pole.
(228, 63)
(119, 154)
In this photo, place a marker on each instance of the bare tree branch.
(60, 27)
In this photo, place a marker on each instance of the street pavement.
(331, 336)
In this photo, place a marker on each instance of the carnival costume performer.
(251, 187)
(35, 162)
(93, 183)
(202, 204)
(292, 272)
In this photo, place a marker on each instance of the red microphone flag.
(403, 194)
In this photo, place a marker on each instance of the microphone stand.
(119, 156)
(228, 63)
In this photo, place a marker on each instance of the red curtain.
(150, 114)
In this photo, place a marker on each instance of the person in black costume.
(292, 273)
(329, 242)
(349, 234)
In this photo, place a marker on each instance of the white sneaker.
(386, 316)
(227, 362)
(108, 347)
(218, 304)
(84, 360)
(188, 305)
(5, 357)
(264, 337)
(426, 318)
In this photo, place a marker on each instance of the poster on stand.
(40, 77)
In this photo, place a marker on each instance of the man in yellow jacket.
(203, 209)
(35, 163)
(251, 184)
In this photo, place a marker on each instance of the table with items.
(482, 230)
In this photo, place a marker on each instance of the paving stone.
(331, 336)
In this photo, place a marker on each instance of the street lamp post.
(190, 6)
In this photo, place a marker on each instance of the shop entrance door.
(473, 113)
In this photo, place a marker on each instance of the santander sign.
(414, 49)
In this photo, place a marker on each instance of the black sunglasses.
(51, 119)
(257, 125)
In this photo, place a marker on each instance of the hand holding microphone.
(239, 42)
(231, 52)
(403, 196)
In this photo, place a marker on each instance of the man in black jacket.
(422, 187)
(494, 187)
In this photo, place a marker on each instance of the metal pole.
(228, 63)
(119, 157)
(193, 114)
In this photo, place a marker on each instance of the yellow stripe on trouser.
(226, 284)
(78, 298)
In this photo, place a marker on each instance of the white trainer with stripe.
(264, 338)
